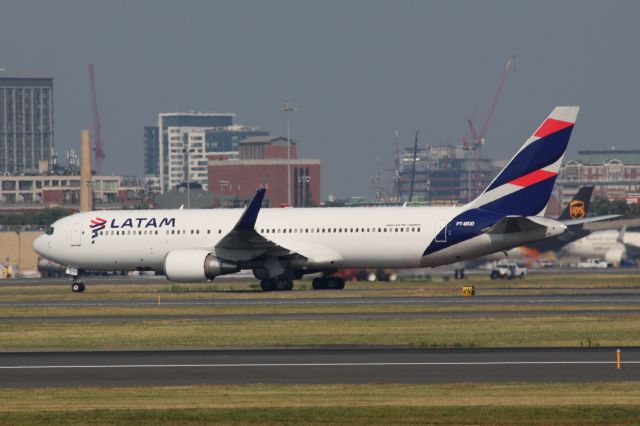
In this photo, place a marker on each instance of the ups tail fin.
(524, 186)
(578, 207)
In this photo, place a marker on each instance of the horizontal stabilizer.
(581, 221)
(511, 224)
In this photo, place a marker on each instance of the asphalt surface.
(622, 297)
(315, 366)
(319, 316)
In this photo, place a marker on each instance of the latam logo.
(98, 224)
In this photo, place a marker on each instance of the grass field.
(419, 332)
(591, 403)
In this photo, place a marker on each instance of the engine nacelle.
(615, 256)
(194, 265)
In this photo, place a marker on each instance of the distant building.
(262, 163)
(615, 174)
(26, 124)
(445, 175)
(195, 198)
(151, 152)
(182, 143)
(36, 192)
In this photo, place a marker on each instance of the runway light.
(618, 359)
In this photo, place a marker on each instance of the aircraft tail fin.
(524, 186)
(578, 207)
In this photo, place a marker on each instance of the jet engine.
(194, 265)
(615, 256)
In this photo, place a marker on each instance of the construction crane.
(97, 129)
(478, 138)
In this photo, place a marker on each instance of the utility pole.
(288, 107)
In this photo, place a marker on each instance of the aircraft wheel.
(333, 283)
(77, 287)
(283, 284)
(319, 283)
(267, 285)
(340, 283)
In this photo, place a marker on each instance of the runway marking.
(328, 364)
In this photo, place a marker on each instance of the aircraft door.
(76, 234)
(441, 230)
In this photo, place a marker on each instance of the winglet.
(250, 215)
(623, 231)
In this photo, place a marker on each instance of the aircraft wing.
(243, 242)
(571, 222)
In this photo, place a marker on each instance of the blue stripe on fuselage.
(460, 229)
(537, 155)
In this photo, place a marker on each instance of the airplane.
(614, 246)
(280, 245)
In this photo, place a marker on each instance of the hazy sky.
(357, 70)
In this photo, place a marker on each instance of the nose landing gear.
(77, 286)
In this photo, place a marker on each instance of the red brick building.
(262, 163)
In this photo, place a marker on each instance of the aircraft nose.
(40, 245)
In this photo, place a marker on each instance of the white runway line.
(329, 364)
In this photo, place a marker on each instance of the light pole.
(288, 107)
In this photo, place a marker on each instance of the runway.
(315, 366)
(621, 297)
(101, 280)
(315, 316)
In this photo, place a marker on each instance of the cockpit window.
(49, 230)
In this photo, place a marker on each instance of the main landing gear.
(276, 284)
(328, 282)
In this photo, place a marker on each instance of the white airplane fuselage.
(390, 237)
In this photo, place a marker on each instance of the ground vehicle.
(593, 263)
(509, 271)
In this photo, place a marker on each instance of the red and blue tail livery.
(522, 188)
